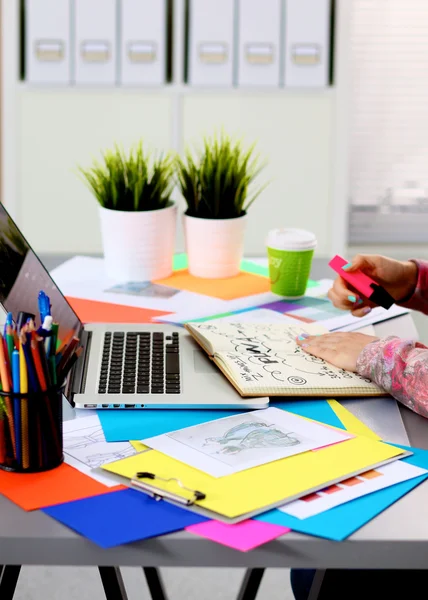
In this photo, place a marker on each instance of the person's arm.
(400, 367)
(419, 299)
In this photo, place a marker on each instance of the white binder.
(307, 43)
(211, 43)
(143, 42)
(47, 44)
(259, 42)
(95, 41)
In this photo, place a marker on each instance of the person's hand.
(397, 277)
(340, 349)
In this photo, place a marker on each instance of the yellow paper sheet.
(247, 491)
(138, 446)
(350, 422)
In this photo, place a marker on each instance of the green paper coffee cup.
(290, 253)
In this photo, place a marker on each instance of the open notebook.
(261, 359)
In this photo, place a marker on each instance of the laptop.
(122, 366)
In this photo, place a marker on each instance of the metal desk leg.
(154, 582)
(113, 585)
(316, 585)
(8, 580)
(250, 585)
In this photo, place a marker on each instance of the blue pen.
(17, 404)
(9, 321)
(44, 306)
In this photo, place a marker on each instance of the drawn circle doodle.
(295, 380)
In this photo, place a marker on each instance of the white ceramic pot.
(214, 246)
(138, 246)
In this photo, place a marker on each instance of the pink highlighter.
(362, 283)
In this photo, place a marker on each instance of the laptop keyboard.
(140, 363)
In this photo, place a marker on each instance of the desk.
(398, 538)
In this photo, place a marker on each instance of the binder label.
(213, 53)
(93, 51)
(259, 54)
(49, 50)
(142, 52)
(306, 54)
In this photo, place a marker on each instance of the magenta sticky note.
(243, 536)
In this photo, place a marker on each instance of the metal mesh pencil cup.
(31, 431)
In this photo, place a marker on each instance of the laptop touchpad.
(202, 363)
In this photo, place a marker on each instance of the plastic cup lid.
(291, 239)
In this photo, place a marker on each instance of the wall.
(302, 134)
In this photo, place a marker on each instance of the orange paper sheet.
(32, 491)
(244, 284)
(92, 311)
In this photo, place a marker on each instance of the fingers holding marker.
(361, 311)
(360, 261)
(343, 298)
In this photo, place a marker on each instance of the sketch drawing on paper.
(84, 438)
(239, 439)
(97, 460)
(252, 435)
(88, 446)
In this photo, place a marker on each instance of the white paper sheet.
(247, 440)
(86, 449)
(355, 487)
(260, 315)
(83, 277)
(348, 322)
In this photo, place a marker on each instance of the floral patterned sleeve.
(400, 367)
(419, 299)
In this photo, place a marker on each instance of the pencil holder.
(31, 431)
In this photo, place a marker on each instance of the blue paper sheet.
(122, 517)
(340, 522)
(123, 425)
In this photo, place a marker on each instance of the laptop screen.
(22, 276)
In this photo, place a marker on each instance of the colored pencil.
(43, 386)
(2, 432)
(24, 407)
(43, 383)
(52, 365)
(43, 360)
(7, 362)
(68, 353)
(33, 417)
(54, 339)
(17, 405)
(10, 342)
(63, 374)
(5, 381)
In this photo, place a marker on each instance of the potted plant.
(138, 218)
(215, 185)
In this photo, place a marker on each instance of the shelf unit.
(46, 131)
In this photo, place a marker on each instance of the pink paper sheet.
(243, 536)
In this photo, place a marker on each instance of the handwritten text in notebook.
(264, 358)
